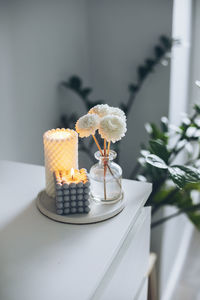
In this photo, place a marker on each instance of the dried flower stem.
(105, 164)
(104, 183)
(105, 168)
(111, 172)
(98, 146)
(104, 147)
(108, 150)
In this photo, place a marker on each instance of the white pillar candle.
(60, 153)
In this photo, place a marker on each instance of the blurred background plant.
(173, 184)
(162, 52)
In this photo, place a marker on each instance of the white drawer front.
(123, 279)
(142, 293)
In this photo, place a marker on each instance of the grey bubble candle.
(72, 191)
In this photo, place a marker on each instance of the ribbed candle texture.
(60, 153)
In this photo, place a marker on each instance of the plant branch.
(176, 151)
(75, 84)
(143, 71)
(163, 220)
(165, 201)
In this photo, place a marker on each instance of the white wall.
(195, 69)
(42, 42)
(7, 115)
(122, 34)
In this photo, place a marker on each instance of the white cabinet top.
(42, 259)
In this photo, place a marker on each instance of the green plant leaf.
(133, 88)
(181, 175)
(86, 91)
(197, 133)
(168, 195)
(75, 82)
(167, 43)
(123, 107)
(161, 194)
(186, 120)
(156, 161)
(194, 218)
(159, 148)
(141, 178)
(142, 161)
(190, 132)
(177, 176)
(192, 186)
(180, 145)
(164, 124)
(191, 174)
(144, 152)
(159, 51)
(142, 72)
(185, 203)
(150, 63)
(155, 133)
(197, 122)
(197, 108)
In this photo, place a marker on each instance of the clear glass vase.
(105, 178)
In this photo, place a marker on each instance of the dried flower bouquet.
(111, 125)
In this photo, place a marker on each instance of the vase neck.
(107, 158)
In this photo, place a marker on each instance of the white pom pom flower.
(112, 128)
(101, 110)
(87, 125)
(117, 112)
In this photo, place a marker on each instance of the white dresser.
(44, 260)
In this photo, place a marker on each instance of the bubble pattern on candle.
(60, 152)
(72, 196)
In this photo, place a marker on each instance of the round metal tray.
(98, 212)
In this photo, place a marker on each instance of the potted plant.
(173, 184)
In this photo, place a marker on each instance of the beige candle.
(60, 153)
